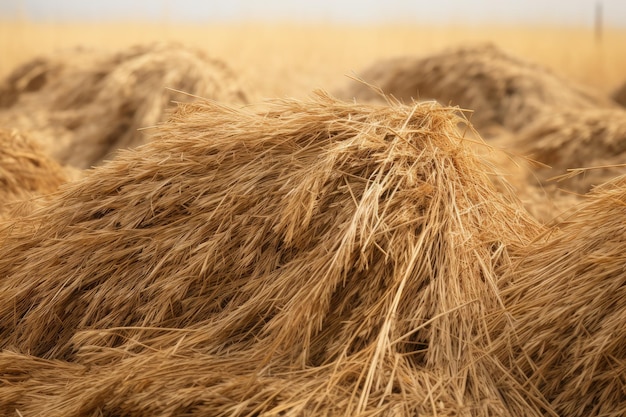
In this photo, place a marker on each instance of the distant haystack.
(93, 102)
(25, 171)
(566, 308)
(313, 258)
(619, 95)
(542, 198)
(499, 88)
(573, 139)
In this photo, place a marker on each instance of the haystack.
(318, 258)
(566, 303)
(570, 140)
(619, 95)
(25, 172)
(94, 102)
(499, 88)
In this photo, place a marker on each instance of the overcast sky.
(558, 12)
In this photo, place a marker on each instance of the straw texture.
(314, 258)
(566, 309)
(25, 172)
(93, 102)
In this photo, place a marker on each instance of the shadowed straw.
(25, 171)
(566, 301)
(92, 102)
(619, 95)
(314, 258)
(501, 89)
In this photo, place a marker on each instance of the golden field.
(288, 60)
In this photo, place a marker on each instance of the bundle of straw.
(566, 310)
(501, 89)
(94, 102)
(315, 258)
(25, 171)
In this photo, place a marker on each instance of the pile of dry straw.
(566, 306)
(573, 140)
(314, 258)
(82, 105)
(499, 88)
(562, 126)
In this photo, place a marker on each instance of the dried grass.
(570, 139)
(321, 258)
(564, 332)
(25, 172)
(93, 102)
(501, 89)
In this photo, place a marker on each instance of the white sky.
(556, 12)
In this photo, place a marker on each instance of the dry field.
(286, 241)
(292, 60)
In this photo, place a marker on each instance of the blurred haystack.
(93, 102)
(321, 258)
(25, 171)
(571, 139)
(619, 95)
(501, 89)
(566, 299)
(541, 198)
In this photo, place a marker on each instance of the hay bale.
(25, 172)
(573, 139)
(94, 102)
(565, 298)
(619, 95)
(500, 88)
(314, 258)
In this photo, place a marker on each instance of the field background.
(276, 60)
